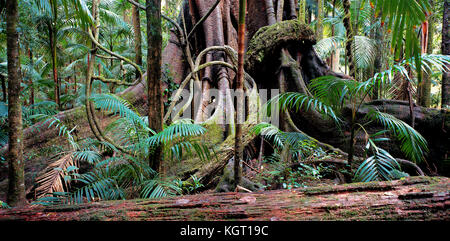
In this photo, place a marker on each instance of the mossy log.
(415, 198)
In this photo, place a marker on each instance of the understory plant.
(329, 95)
(289, 148)
(121, 174)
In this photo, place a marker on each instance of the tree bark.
(137, 36)
(16, 187)
(4, 90)
(350, 38)
(446, 51)
(53, 47)
(319, 20)
(415, 198)
(154, 85)
(424, 90)
(30, 82)
(238, 148)
(302, 11)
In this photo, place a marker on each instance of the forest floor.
(414, 198)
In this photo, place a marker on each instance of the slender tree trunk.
(154, 60)
(350, 38)
(319, 26)
(30, 55)
(378, 36)
(425, 86)
(53, 45)
(74, 87)
(16, 187)
(446, 51)
(302, 11)
(334, 53)
(137, 37)
(238, 147)
(99, 67)
(2, 79)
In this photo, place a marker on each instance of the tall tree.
(16, 187)
(302, 11)
(137, 36)
(319, 20)
(238, 147)
(52, 31)
(350, 38)
(154, 61)
(427, 47)
(446, 51)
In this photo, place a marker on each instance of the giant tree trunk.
(16, 187)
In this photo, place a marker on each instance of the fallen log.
(415, 198)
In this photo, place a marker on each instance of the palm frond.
(378, 167)
(412, 143)
(52, 179)
(326, 46)
(63, 130)
(97, 186)
(156, 188)
(87, 155)
(296, 101)
(177, 130)
(116, 105)
(4, 205)
(364, 50)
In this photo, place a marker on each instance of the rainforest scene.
(224, 110)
